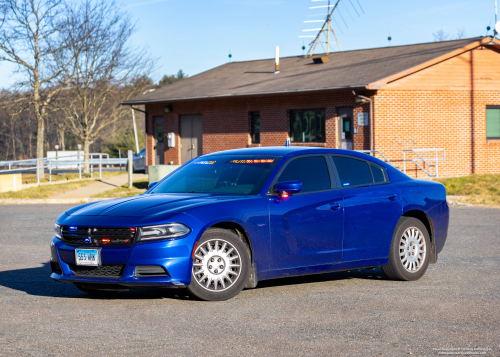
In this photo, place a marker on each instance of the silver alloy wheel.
(216, 265)
(412, 249)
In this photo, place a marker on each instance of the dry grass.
(45, 191)
(477, 189)
(139, 186)
(31, 178)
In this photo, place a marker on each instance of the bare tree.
(460, 33)
(15, 126)
(33, 36)
(443, 36)
(106, 70)
(440, 36)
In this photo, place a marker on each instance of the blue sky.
(197, 35)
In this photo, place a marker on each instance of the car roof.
(288, 151)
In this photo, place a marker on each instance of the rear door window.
(311, 171)
(378, 174)
(352, 172)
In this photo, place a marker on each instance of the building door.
(345, 116)
(159, 133)
(191, 137)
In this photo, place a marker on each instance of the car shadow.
(368, 274)
(37, 281)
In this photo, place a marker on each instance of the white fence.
(61, 162)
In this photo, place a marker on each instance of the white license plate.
(88, 257)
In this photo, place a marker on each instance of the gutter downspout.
(371, 117)
(135, 133)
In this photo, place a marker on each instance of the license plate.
(88, 257)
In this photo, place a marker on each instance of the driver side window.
(312, 171)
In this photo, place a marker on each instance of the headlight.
(171, 230)
(57, 230)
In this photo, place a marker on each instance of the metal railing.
(431, 162)
(75, 160)
(371, 152)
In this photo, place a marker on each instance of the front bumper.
(173, 255)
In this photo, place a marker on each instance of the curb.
(456, 203)
(44, 201)
(29, 185)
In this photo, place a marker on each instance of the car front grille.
(98, 236)
(106, 270)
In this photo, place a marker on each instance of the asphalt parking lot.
(453, 308)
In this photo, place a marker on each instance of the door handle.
(392, 196)
(335, 206)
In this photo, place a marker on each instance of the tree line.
(76, 64)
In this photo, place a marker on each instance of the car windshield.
(228, 174)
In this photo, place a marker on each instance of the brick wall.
(403, 119)
(226, 123)
(451, 119)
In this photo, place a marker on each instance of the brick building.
(432, 95)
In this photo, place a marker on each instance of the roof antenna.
(277, 61)
(326, 29)
(497, 25)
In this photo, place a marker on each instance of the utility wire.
(347, 9)
(354, 7)
(342, 17)
(360, 6)
(338, 26)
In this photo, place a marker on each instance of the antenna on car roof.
(287, 143)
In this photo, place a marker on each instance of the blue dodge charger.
(224, 221)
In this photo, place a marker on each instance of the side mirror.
(286, 188)
(152, 184)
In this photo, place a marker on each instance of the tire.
(410, 251)
(225, 280)
(89, 289)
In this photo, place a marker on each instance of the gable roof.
(369, 68)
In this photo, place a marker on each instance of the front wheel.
(410, 250)
(221, 266)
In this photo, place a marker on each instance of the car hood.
(148, 205)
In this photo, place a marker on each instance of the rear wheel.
(221, 266)
(410, 250)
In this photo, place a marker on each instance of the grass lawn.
(31, 178)
(45, 191)
(477, 189)
(139, 186)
